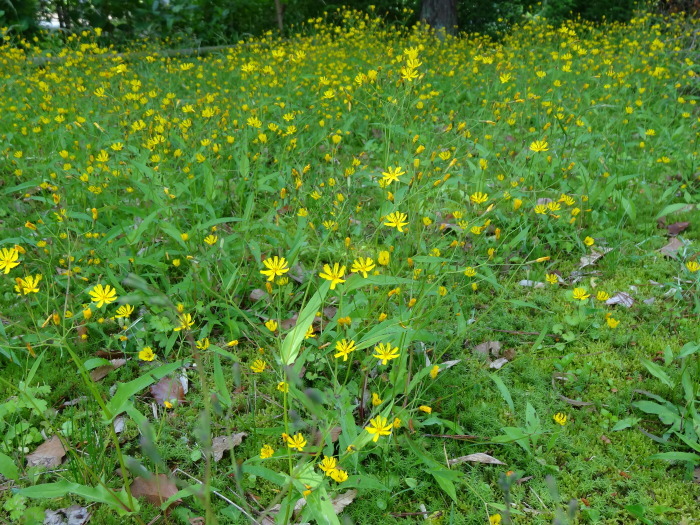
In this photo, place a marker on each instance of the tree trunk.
(279, 11)
(440, 14)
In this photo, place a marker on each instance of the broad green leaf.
(8, 467)
(116, 499)
(220, 382)
(658, 372)
(672, 208)
(503, 389)
(677, 456)
(625, 423)
(292, 342)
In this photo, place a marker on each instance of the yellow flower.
(124, 310)
(103, 295)
(589, 241)
(309, 332)
(376, 400)
(396, 423)
(602, 295)
(495, 519)
(343, 348)
(8, 259)
(283, 386)
(258, 366)
(202, 344)
(580, 294)
(434, 371)
(396, 220)
(211, 239)
(276, 267)
(560, 418)
(693, 266)
(379, 426)
(384, 258)
(334, 275)
(469, 271)
(363, 266)
(392, 174)
(146, 354)
(328, 465)
(233, 342)
(271, 325)
(266, 452)
(612, 323)
(552, 278)
(28, 284)
(426, 409)
(539, 146)
(186, 322)
(385, 353)
(296, 442)
(339, 475)
(479, 197)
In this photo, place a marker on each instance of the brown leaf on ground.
(489, 347)
(574, 402)
(168, 389)
(288, 324)
(49, 454)
(221, 444)
(257, 294)
(110, 354)
(479, 457)
(622, 298)
(593, 257)
(498, 363)
(343, 500)
(156, 489)
(671, 249)
(101, 371)
(74, 515)
(330, 311)
(677, 227)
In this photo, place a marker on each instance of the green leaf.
(446, 478)
(672, 208)
(625, 423)
(8, 467)
(677, 456)
(116, 500)
(292, 342)
(658, 372)
(503, 389)
(220, 383)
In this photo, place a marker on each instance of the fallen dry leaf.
(221, 444)
(257, 294)
(74, 515)
(489, 347)
(288, 324)
(156, 489)
(119, 424)
(498, 363)
(574, 402)
(671, 249)
(622, 298)
(168, 389)
(593, 257)
(533, 284)
(49, 454)
(343, 500)
(101, 371)
(677, 227)
(479, 457)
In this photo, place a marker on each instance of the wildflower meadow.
(364, 273)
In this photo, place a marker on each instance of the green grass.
(175, 181)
